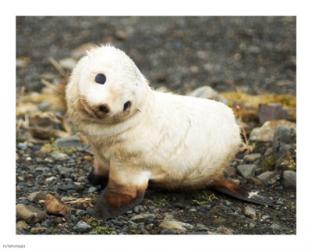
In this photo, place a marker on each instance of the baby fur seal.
(141, 136)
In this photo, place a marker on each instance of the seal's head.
(106, 86)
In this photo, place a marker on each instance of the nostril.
(127, 105)
(103, 108)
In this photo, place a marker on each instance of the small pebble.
(250, 212)
(142, 217)
(50, 179)
(82, 227)
(59, 156)
(252, 157)
(92, 189)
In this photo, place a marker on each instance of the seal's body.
(175, 141)
(139, 135)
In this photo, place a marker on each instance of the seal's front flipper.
(125, 190)
(232, 189)
(117, 199)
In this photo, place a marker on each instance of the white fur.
(174, 140)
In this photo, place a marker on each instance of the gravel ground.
(253, 54)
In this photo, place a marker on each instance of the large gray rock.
(284, 148)
(284, 135)
(266, 132)
(267, 176)
(247, 170)
(289, 179)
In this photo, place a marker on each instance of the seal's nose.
(103, 108)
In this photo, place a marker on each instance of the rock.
(22, 146)
(92, 190)
(68, 63)
(142, 217)
(55, 206)
(252, 157)
(173, 226)
(247, 170)
(289, 179)
(284, 148)
(266, 176)
(275, 227)
(82, 227)
(224, 230)
(29, 214)
(38, 230)
(265, 217)
(208, 93)
(283, 135)
(268, 112)
(50, 179)
(250, 212)
(201, 227)
(21, 226)
(59, 156)
(36, 196)
(251, 225)
(266, 132)
(268, 160)
(69, 142)
(138, 209)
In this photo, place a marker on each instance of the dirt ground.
(252, 54)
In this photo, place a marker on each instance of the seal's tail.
(232, 189)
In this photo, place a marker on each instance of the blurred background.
(256, 54)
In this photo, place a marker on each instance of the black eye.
(100, 78)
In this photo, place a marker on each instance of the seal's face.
(111, 88)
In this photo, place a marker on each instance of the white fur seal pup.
(139, 135)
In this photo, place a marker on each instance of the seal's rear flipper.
(232, 189)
